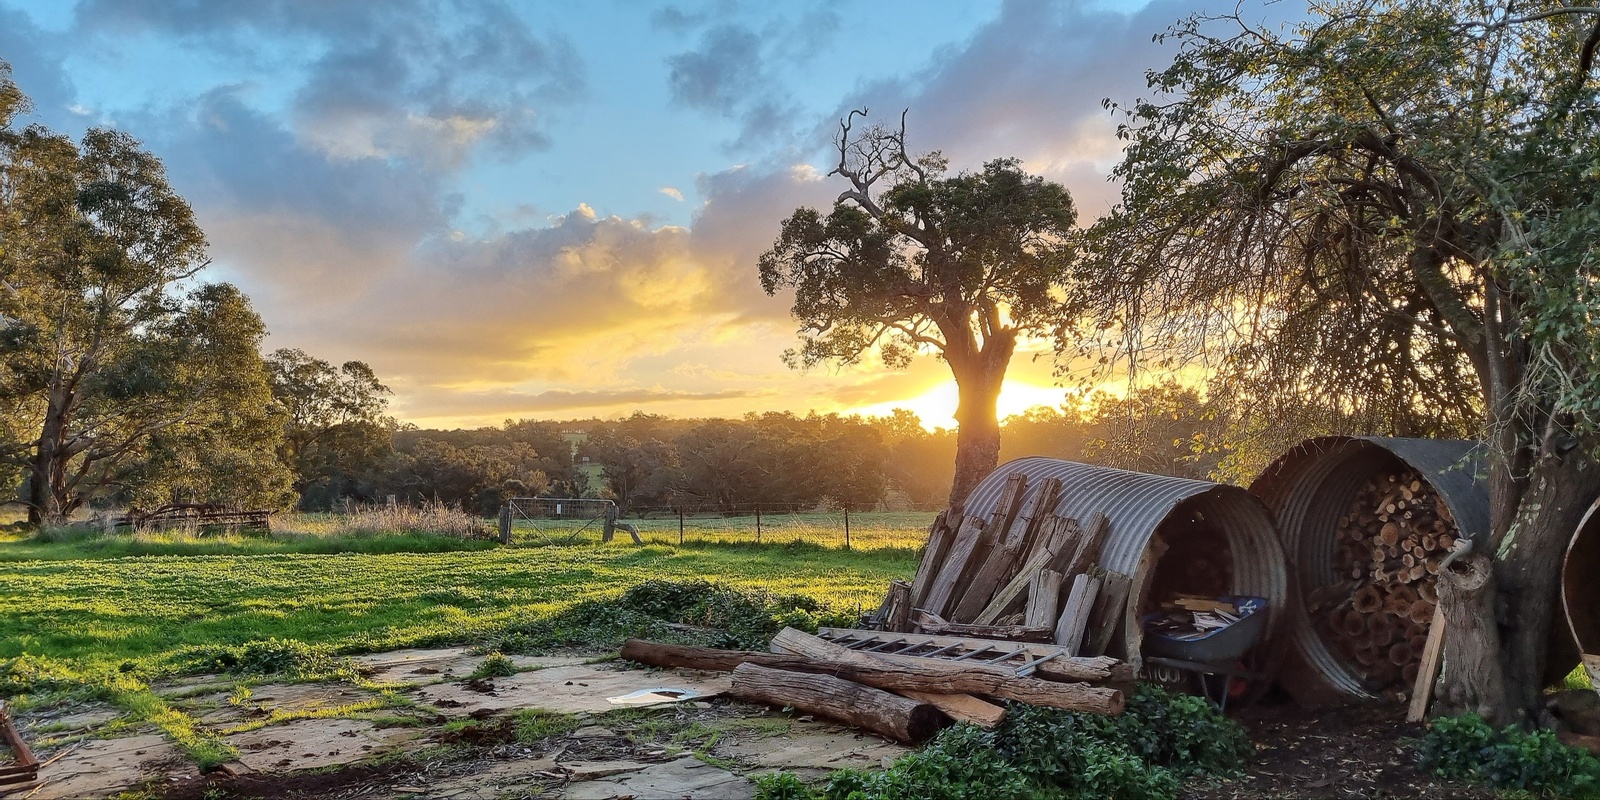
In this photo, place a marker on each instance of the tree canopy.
(910, 260)
(1388, 210)
(109, 348)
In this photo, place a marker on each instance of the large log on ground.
(888, 715)
(961, 707)
(933, 675)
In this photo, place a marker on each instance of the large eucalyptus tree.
(912, 260)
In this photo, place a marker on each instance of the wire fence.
(765, 524)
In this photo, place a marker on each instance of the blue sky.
(553, 210)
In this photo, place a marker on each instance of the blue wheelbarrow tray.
(1219, 646)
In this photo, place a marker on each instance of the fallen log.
(933, 675)
(964, 708)
(888, 715)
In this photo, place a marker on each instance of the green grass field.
(96, 602)
(82, 611)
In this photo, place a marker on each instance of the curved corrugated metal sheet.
(1135, 505)
(1580, 592)
(1311, 486)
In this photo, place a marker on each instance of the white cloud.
(672, 193)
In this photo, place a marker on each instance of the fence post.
(680, 526)
(758, 523)
(505, 524)
(847, 527)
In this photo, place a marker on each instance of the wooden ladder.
(1022, 657)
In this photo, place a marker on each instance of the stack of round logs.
(1391, 543)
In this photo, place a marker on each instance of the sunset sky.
(554, 210)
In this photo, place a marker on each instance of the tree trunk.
(48, 503)
(979, 377)
(1529, 569)
(1474, 678)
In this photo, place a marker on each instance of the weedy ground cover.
(1144, 754)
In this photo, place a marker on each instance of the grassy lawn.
(97, 602)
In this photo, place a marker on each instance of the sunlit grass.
(98, 608)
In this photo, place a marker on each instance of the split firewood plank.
(1001, 562)
(1089, 544)
(934, 624)
(1139, 596)
(1075, 615)
(1050, 489)
(1059, 668)
(888, 715)
(933, 554)
(1428, 668)
(961, 707)
(899, 618)
(954, 677)
(1042, 557)
(1044, 598)
(1005, 513)
(1106, 619)
(944, 581)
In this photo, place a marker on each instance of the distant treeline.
(778, 459)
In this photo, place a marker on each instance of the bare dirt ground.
(1358, 751)
(422, 726)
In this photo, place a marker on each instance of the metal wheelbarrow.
(1217, 652)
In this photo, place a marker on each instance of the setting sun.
(936, 407)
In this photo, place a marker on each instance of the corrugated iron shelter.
(1309, 488)
(1580, 591)
(1138, 505)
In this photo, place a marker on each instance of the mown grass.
(99, 608)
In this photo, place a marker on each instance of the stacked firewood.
(1390, 545)
(1020, 572)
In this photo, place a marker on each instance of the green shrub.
(733, 618)
(782, 786)
(496, 665)
(1468, 748)
(1144, 754)
(289, 657)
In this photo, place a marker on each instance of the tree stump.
(1473, 678)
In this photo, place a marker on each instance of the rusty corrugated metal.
(1135, 504)
(1580, 591)
(1310, 487)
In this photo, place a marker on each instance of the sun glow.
(936, 407)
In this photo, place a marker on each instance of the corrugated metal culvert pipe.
(1580, 590)
(1364, 521)
(1219, 539)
